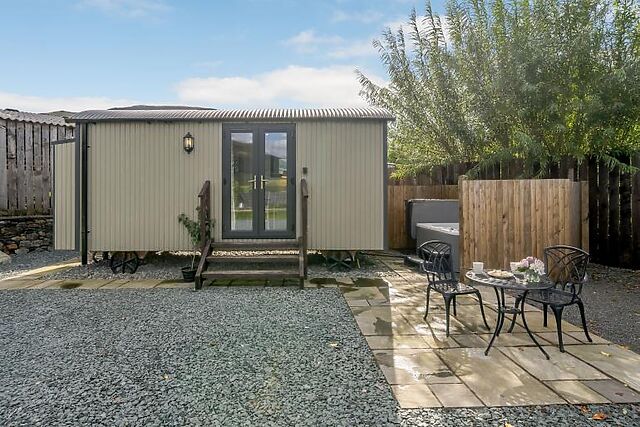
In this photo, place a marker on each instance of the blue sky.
(81, 54)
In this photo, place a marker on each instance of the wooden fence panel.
(506, 220)
(25, 166)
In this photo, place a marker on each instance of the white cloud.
(308, 41)
(41, 104)
(353, 49)
(285, 87)
(332, 46)
(365, 17)
(128, 8)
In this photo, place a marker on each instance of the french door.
(258, 181)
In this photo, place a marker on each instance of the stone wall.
(22, 234)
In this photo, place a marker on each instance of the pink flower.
(524, 263)
(531, 259)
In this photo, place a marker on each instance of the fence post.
(635, 210)
(462, 255)
(593, 209)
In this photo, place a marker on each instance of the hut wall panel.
(64, 200)
(346, 183)
(141, 180)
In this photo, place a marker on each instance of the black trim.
(258, 131)
(84, 251)
(385, 189)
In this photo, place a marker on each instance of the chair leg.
(544, 315)
(515, 315)
(426, 312)
(557, 311)
(584, 320)
(484, 319)
(447, 305)
(455, 314)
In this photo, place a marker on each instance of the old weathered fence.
(505, 220)
(398, 194)
(25, 161)
(614, 213)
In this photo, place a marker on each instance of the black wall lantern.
(187, 142)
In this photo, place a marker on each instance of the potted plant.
(193, 228)
(532, 268)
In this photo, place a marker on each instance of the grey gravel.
(164, 266)
(35, 259)
(522, 416)
(221, 356)
(612, 305)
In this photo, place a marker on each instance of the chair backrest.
(566, 266)
(436, 263)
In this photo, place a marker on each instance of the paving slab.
(386, 342)
(496, 379)
(44, 284)
(357, 303)
(552, 337)
(576, 392)
(615, 361)
(17, 283)
(514, 339)
(413, 366)
(614, 391)
(560, 366)
(595, 339)
(350, 292)
(469, 340)
(141, 284)
(455, 395)
(415, 396)
(536, 324)
(436, 324)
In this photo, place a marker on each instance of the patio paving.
(426, 369)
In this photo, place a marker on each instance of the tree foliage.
(492, 80)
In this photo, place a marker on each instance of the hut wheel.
(124, 262)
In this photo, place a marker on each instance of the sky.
(94, 54)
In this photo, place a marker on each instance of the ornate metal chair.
(566, 266)
(441, 278)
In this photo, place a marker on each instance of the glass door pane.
(274, 181)
(242, 180)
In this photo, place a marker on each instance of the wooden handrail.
(202, 265)
(204, 213)
(304, 191)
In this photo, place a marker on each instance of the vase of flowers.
(532, 269)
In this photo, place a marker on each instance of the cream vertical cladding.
(64, 202)
(140, 180)
(346, 181)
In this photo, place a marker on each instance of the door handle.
(263, 181)
(254, 181)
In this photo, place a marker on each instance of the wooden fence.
(505, 220)
(25, 166)
(614, 213)
(398, 193)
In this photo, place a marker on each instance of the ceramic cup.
(478, 267)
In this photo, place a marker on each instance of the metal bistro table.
(499, 286)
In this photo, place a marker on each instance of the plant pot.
(188, 273)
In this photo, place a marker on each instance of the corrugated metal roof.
(23, 116)
(369, 113)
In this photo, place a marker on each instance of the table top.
(486, 280)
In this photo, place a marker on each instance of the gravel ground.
(167, 266)
(155, 266)
(554, 415)
(612, 305)
(222, 356)
(36, 259)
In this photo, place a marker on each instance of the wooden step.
(253, 259)
(250, 274)
(291, 245)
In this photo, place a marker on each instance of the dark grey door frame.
(258, 130)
